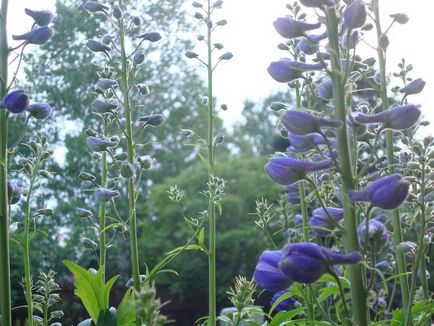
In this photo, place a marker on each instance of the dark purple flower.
(286, 70)
(377, 234)
(39, 111)
(286, 304)
(99, 145)
(97, 46)
(387, 193)
(306, 262)
(298, 219)
(380, 303)
(355, 14)
(397, 118)
(41, 17)
(325, 89)
(267, 273)
(303, 123)
(152, 120)
(94, 6)
(104, 195)
(356, 128)
(14, 193)
(105, 84)
(287, 170)
(290, 28)
(16, 101)
(414, 87)
(104, 107)
(38, 36)
(306, 142)
(320, 220)
(150, 36)
(317, 3)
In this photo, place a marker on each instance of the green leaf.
(189, 247)
(219, 207)
(201, 237)
(284, 296)
(284, 317)
(326, 292)
(107, 317)
(204, 161)
(127, 310)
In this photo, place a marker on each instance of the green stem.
(131, 154)
(26, 247)
(102, 209)
(397, 231)
(212, 311)
(5, 281)
(350, 237)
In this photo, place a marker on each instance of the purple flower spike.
(104, 195)
(16, 101)
(94, 6)
(41, 17)
(306, 142)
(287, 170)
(306, 262)
(40, 111)
(387, 193)
(414, 87)
(397, 118)
(37, 36)
(267, 273)
(104, 107)
(286, 70)
(303, 123)
(355, 15)
(317, 3)
(321, 221)
(377, 234)
(97, 46)
(291, 28)
(99, 145)
(151, 36)
(14, 193)
(284, 305)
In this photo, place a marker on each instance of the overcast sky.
(251, 37)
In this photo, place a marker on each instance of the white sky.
(250, 35)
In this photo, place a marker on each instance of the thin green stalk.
(350, 237)
(5, 282)
(397, 231)
(102, 208)
(212, 311)
(131, 154)
(26, 248)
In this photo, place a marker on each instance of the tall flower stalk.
(5, 283)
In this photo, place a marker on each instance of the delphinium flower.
(95, 6)
(286, 70)
(105, 84)
(153, 120)
(41, 17)
(309, 44)
(97, 46)
(14, 193)
(303, 123)
(16, 101)
(397, 118)
(321, 222)
(288, 27)
(376, 235)
(387, 192)
(306, 142)
(104, 107)
(355, 14)
(40, 111)
(286, 304)
(100, 145)
(37, 36)
(414, 87)
(103, 194)
(298, 262)
(287, 170)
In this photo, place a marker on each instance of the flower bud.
(291, 28)
(14, 193)
(107, 39)
(106, 84)
(41, 17)
(39, 111)
(320, 221)
(198, 16)
(150, 36)
(350, 41)
(306, 142)
(128, 171)
(138, 58)
(96, 46)
(153, 120)
(91, 132)
(37, 36)
(226, 56)
(298, 218)
(286, 70)
(277, 106)
(84, 176)
(309, 44)
(45, 174)
(191, 55)
(105, 195)
(89, 244)
(355, 14)
(205, 100)
(376, 235)
(400, 18)
(123, 123)
(383, 41)
(218, 140)
(287, 170)
(117, 12)
(121, 156)
(104, 107)
(99, 145)
(197, 5)
(325, 90)
(224, 107)
(143, 89)
(16, 101)
(303, 123)
(45, 212)
(145, 161)
(267, 273)
(222, 22)
(414, 87)
(94, 6)
(387, 193)
(84, 213)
